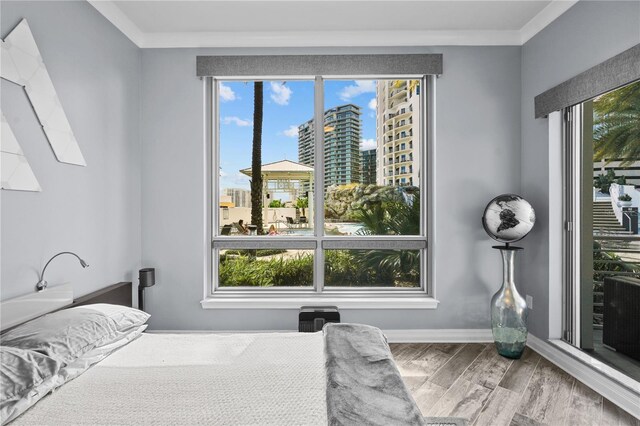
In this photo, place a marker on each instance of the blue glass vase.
(509, 310)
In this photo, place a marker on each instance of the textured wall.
(93, 210)
(478, 156)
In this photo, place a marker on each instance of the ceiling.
(289, 23)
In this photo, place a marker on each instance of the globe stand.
(507, 246)
(509, 309)
(508, 218)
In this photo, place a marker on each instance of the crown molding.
(544, 18)
(329, 38)
(116, 16)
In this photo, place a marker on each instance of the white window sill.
(254, 302)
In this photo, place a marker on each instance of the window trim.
(384, 298)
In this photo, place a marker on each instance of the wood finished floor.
(474, 382)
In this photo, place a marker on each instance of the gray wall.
(587, 34)
(484, 111)
(478, 152)
(94, 210)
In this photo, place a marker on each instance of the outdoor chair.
(226, 230)
(240, 229)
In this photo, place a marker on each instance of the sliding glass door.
(602, 243)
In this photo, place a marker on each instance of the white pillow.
(63, 335)
(36, 387)
(126, 318)
(97, 354)
(25, 377)
(70, 333)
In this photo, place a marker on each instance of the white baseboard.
(624, 397)
(457, 335)
(218, 331)
(393, 336)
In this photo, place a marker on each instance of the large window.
(320, 185)
(602, 143)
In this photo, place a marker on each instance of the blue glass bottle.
(509, 310)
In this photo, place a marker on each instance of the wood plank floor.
(474, 382)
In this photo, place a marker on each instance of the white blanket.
(192, 379)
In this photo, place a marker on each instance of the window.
(297, 206)
(602, 197)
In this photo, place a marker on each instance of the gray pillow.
(25, 377)
(63, 335)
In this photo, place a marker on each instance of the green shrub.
(248, 271)
(372, 268)
(274, 204)
(255, 253)
(624, 197)
(603, 182)
(343, 268)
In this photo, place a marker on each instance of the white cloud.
(227, 94)
(237, 121)
(234, 180)
(291, 132)
(366, 144)
(373, 104)
(357, 89)
(280, 93)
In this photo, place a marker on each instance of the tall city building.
(368, 165)
(398, 132)
(239, 197)
(342, 134)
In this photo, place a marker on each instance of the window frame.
(318, 242)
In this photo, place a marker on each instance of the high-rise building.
(239, 197)
(342, 134)
(398, 132)
(368, 165)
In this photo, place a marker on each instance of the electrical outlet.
(529, 302)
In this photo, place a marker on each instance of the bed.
(342, 375)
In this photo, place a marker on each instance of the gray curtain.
(324, 65)
(618, 71)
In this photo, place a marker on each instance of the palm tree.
(256, 158)
(302, 203)
(616, 133)
(394, 216)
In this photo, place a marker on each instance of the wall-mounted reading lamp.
(42, 284)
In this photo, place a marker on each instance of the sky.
(286, 106)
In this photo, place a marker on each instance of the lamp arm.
(54, 256)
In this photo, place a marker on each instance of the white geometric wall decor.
(16, 174)
(22, 64)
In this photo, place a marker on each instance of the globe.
(508, 218)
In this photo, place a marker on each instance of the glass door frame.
(577, 131)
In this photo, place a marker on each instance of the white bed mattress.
(191, 379)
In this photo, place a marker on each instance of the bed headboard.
(21, 309)
(116, 294)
